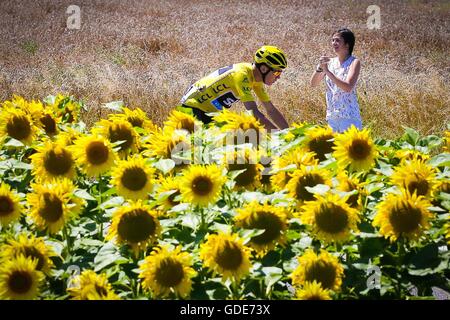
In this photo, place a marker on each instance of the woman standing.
(341, 74)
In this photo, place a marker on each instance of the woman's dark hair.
(348, 37)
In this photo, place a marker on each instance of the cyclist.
(227, 85)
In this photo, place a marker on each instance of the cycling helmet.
(272, 57)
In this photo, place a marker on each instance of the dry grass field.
(147, 52)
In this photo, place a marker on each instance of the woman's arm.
(348, 84)
(316, 77)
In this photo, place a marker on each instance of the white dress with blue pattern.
(341, 106)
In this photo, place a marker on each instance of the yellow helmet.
(272, 56)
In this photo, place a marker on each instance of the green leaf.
(114, 105)
(14, 143)
(107, 255)
(318, 189)
(248, 234)
(49, 99)
(426, 257)
(441, 160)
(273, 275)
(384, 169)
(411, 136)
(190, 220)
(113, 202)
(165, 165)
(431, 141)
(83, 194)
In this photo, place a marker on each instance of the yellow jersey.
(223, 87)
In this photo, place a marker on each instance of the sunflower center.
(229, 256)
(359, 149)
(20, 282)
(49, 124)
(405, 218)
(244, 178)
(134, 178)
(58, 162)
(52, 210)
(420, 186)
(322, 272)
(6, 206)
(136, 226)
(32, 252)
(308, 180)
(136, 122)
(169, 273)
(202, 185)
(19, 127)
(97, 153)
(102, 291)
(268, 222)
(121, 134)
(321, 146)
(331, 218)
(172, 197)
(187, 124)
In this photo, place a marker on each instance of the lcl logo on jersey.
(225, 100)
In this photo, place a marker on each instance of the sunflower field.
(125, 209)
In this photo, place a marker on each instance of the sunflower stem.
(68, 241)
(400, 258)
(235, 292)
(100, 200)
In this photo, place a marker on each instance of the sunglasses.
(277, 73)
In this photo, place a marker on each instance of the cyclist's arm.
(275, 115)
(251, 105)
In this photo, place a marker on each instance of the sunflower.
(320, 141)
(167, 185)
(137, 118)
(167, 143)
(91, 286)
(201, 185)
(19, 279)
(10, 206)
(403, 215)
(136, 225)
(297, 157)
(44, 117)
(409, 154)
(67, 108)
(416, 177)
(17, 123)
(330, 217)
(446, 147)
(94, 154)
(323, 268)
(118, 131)
(225, 254)
(313, 291)
(271, 219)
(165, 271)
(349, 184)
(240, 127)
(355, 149)
(306, 177)
(68, 136)
(53, 204)
(245, 159)
(30, 247)
(133, 178)
(53, 160)
(180, 120)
